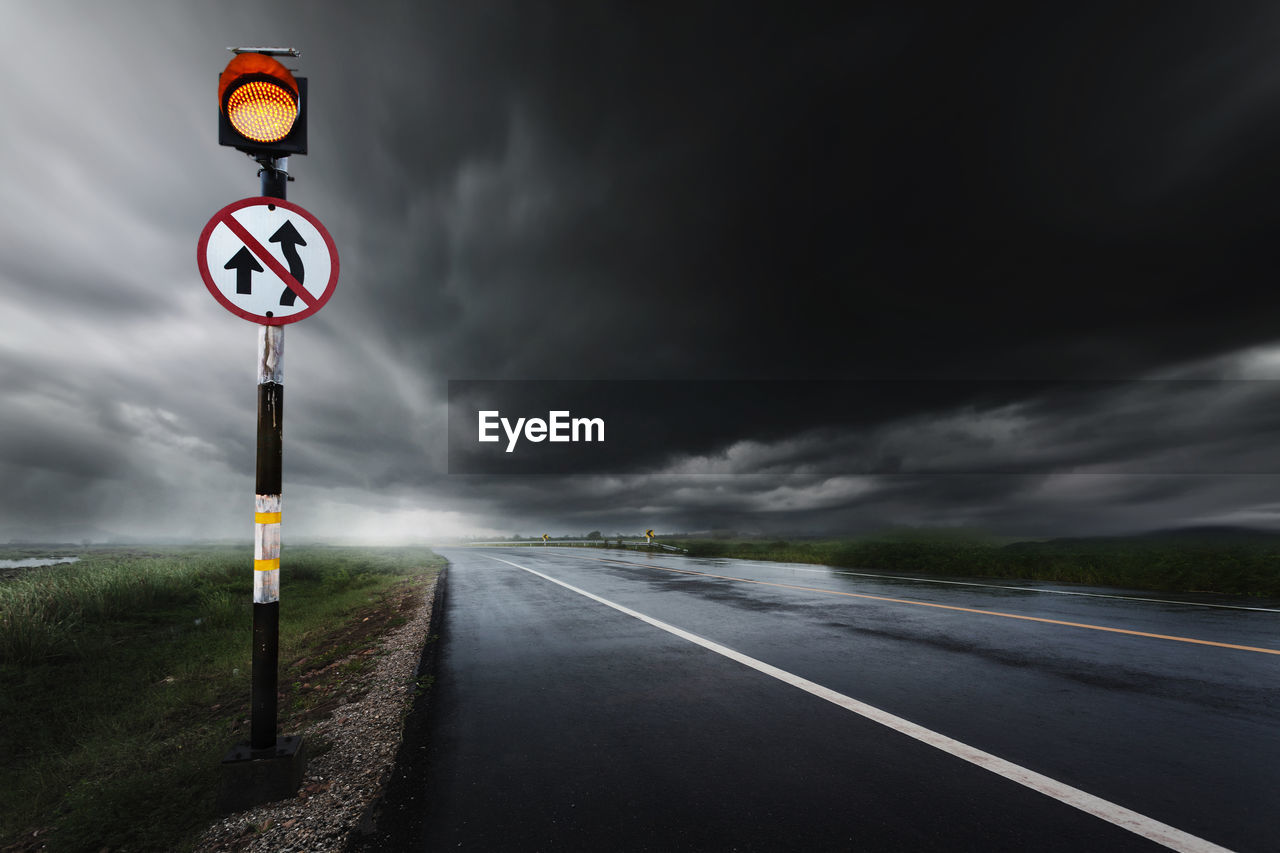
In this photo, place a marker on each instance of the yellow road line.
(950, 607)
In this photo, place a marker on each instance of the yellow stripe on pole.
(266, 517)
(266, 565)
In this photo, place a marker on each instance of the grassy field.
(1237, 565)
(124, 678)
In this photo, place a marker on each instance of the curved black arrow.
(245, 265)
(289, 239)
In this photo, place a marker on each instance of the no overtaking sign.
(267, 260)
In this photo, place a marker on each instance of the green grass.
(124, 678)
(1249, 568)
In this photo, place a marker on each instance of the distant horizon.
(890, 532)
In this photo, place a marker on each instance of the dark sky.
(915, 205)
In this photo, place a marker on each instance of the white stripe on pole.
(266, 549)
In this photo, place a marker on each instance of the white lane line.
(1048, 591)
(1139, 824)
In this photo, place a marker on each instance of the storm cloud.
(1073, 203)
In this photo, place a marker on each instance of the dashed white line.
(1038, 589)
(791, 567)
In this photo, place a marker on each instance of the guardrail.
(598, 543)
(528, 542)
(658, 545)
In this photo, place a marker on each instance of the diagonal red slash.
(252, 244)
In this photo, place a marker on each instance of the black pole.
(274, 174)
(267, 489)
(266, 599)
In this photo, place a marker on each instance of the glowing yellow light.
(259, 97)
(263, 111)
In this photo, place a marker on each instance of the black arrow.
(289, 239)
(245, 265)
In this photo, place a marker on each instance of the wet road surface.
(561, 719)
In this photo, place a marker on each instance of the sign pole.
(267, 508)
(270, 766)
(256, 257)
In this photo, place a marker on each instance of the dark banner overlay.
(874, 427)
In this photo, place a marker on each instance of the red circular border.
(202, 246)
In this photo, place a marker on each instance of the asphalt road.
(768, 706)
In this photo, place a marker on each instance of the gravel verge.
(342, 785)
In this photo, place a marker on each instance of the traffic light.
(262, 107)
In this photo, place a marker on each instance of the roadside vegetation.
(1235, 563)
(125, 677)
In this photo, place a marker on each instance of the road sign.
(267, 260)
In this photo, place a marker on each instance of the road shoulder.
(343, 785)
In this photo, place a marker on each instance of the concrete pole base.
(251, 777)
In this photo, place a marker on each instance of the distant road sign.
(267, 260)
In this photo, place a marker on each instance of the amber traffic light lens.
(260, 100)
(262, 110)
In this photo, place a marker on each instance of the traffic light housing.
(262, 107)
